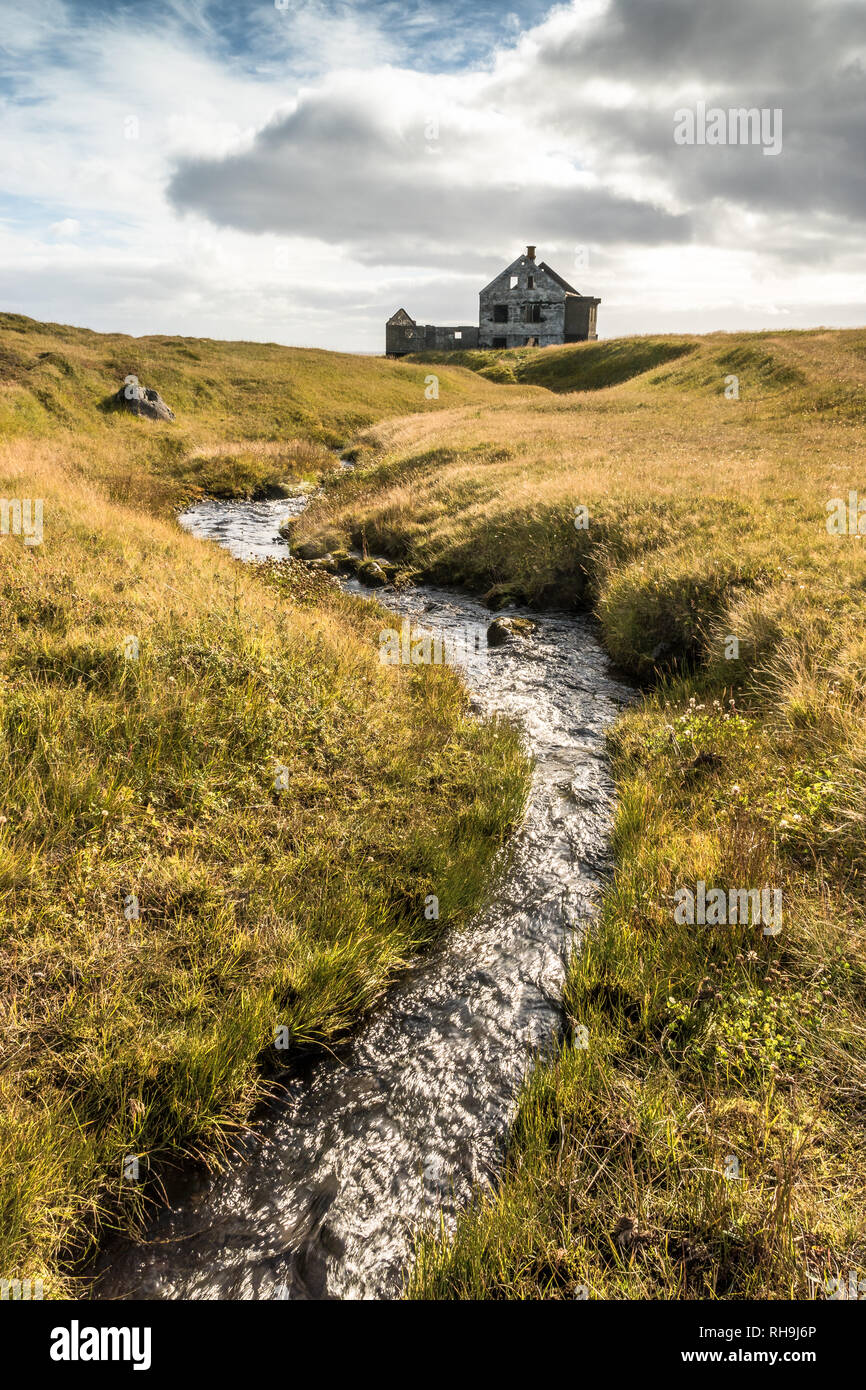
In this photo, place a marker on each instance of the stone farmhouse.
(527, 305)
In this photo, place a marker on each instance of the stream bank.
(364, 1147)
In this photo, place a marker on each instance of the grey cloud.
(769, 41)
(332, 170)
(795, 55)
(336, 169)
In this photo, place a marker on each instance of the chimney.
(530, 253)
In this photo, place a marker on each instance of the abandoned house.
(527, 304)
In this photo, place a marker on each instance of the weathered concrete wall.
(401, 338)
(580, 313)
(436, 339)
(535, 310)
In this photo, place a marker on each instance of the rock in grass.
(309, 550)
(370, 572)
(504, 630)
(142, 400)
(326, 563)
(388, 568)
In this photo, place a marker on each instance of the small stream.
(322, 1200)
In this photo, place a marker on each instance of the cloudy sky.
(295, 170)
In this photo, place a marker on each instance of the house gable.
(521, 270)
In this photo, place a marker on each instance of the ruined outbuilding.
(527, 305)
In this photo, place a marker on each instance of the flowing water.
(365, 1146)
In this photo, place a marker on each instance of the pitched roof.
(519, 262)
(540, 265)
(558, 278)
(400, 317)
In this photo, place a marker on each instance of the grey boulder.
(144, 401)
(504, 630)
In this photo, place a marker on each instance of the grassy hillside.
(165, 906)
(590, 367)
(708, 563)
(830, 363)
(251, 417)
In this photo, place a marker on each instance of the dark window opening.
(499, 342)
(530, 282)
(532, 313)
(500, 313)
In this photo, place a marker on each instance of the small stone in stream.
(371, 573)
(503, 630)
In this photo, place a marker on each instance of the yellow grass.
(146, 1030)
(707, 522)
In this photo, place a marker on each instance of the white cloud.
(308, 199)
(66, 230)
